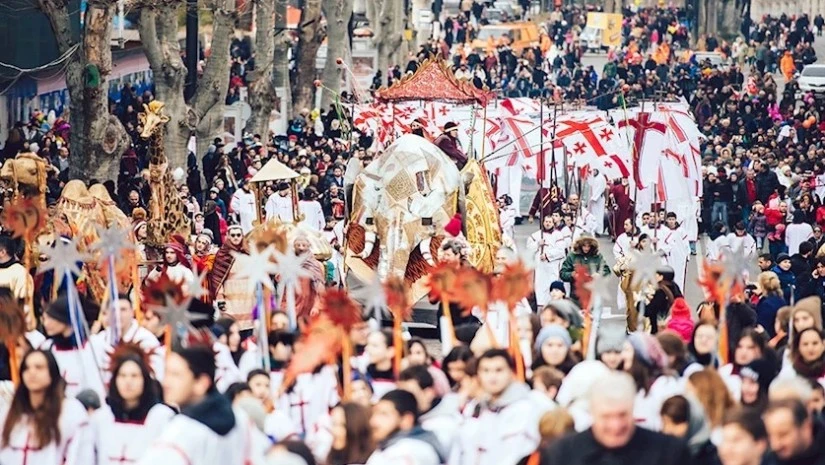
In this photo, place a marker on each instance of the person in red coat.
(622, 205)
(449, 144)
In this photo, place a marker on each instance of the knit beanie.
(557, 286)
(552, 332)
(609, 344)
(761, 371)
(648, 350)
(812, 306)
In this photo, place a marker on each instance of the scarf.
(223, 263)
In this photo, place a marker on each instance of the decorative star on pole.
(599, 288)
(290, 269)
(194, 285)
(112, 242)
(177, 316)
(735, 267)
(62, 258)
(372, 297)
(644, 266)
(257, 268)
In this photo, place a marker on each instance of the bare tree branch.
(215, 80)
(147, 28)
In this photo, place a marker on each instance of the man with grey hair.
(614, 438)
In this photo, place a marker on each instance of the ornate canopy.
(434, 80)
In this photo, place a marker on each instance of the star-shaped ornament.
(644, 266)
(257, 267)
(112, 242)
(63, 257)
(735, 267)
(599, 286)
(194, 285)
(177, 316)
(373, 297)
(289, 267)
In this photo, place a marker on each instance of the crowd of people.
(738, 385)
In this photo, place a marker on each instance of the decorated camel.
(400, 205)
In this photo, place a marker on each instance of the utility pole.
(192, 50)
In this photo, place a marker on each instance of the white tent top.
(274, 170)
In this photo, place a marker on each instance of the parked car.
(812, 79)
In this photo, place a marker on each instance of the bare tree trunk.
(387, 23)
(158, 33)
(309, 40)
(338, 14)
(211, 126)
(280, 72)
(97, 137)
(261, 90)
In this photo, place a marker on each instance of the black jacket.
(645, 448)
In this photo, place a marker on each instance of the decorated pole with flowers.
(398, 301)
(342, 311)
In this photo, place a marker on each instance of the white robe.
(186, 441)
(732, 381)
(310, 399)
(549, 251)
(745, 245)
(120, 442)
(796, 234)
(176, 273)
(596, 203)
(75, 448)
(586, 223)
(79, 367)
(674, 243)
(444, 420)
(243, 203)
(717, 248)
(313, 214)
(280, 207)
(647, 407)
(135, 334)
(503, 433)
(507, 220)
(226, 372)
(405, 451)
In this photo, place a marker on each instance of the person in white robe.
(129, 331)
(226, 372)
(310, 209)
(41, 387)
(622, 248)
(676, 249)
(309, 399)
(797, 232)
(507, 216)
(439, 415)
(401, 439)
(548, 246)
(279, 205)
(507, 416)
(720, 246)
(244, 204)
(586, 225)
(76, 359)
(133, 416)
(209, 431)
(596, 202)
(176, 266)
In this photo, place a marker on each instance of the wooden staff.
(448, 315)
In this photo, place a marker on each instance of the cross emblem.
(443, 111)
(579, 147)
(641, 125)
(607, 164)
(123, 458)
(25, 450)
(606, 134)
(300, 404)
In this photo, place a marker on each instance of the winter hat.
(450, 126)
(681, 321)
(609, 344)
(810, 305)
(761, 371)
(89, 399)
(552, 332)
(453, 227)
(558, 286)
(648, 350)
(568, 310)
(782, 257)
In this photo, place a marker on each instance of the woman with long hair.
(807, 358)
(645, 360)
(770, 301)
(710, 390)
(552, 349)
(418, 354)
(455, 364)
(134, 415)
(749, 347)
(703, 345)
(351, 435)
(42, 426)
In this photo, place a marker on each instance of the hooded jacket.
(415, 447)
(681, 321)
(593, 260)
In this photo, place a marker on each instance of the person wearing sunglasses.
(229, 286)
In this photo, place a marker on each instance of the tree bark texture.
(97, 137)
(386, 18)
(158, 33)
(280, 72)
(309, 40)
(261, 89)
(338, 14)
